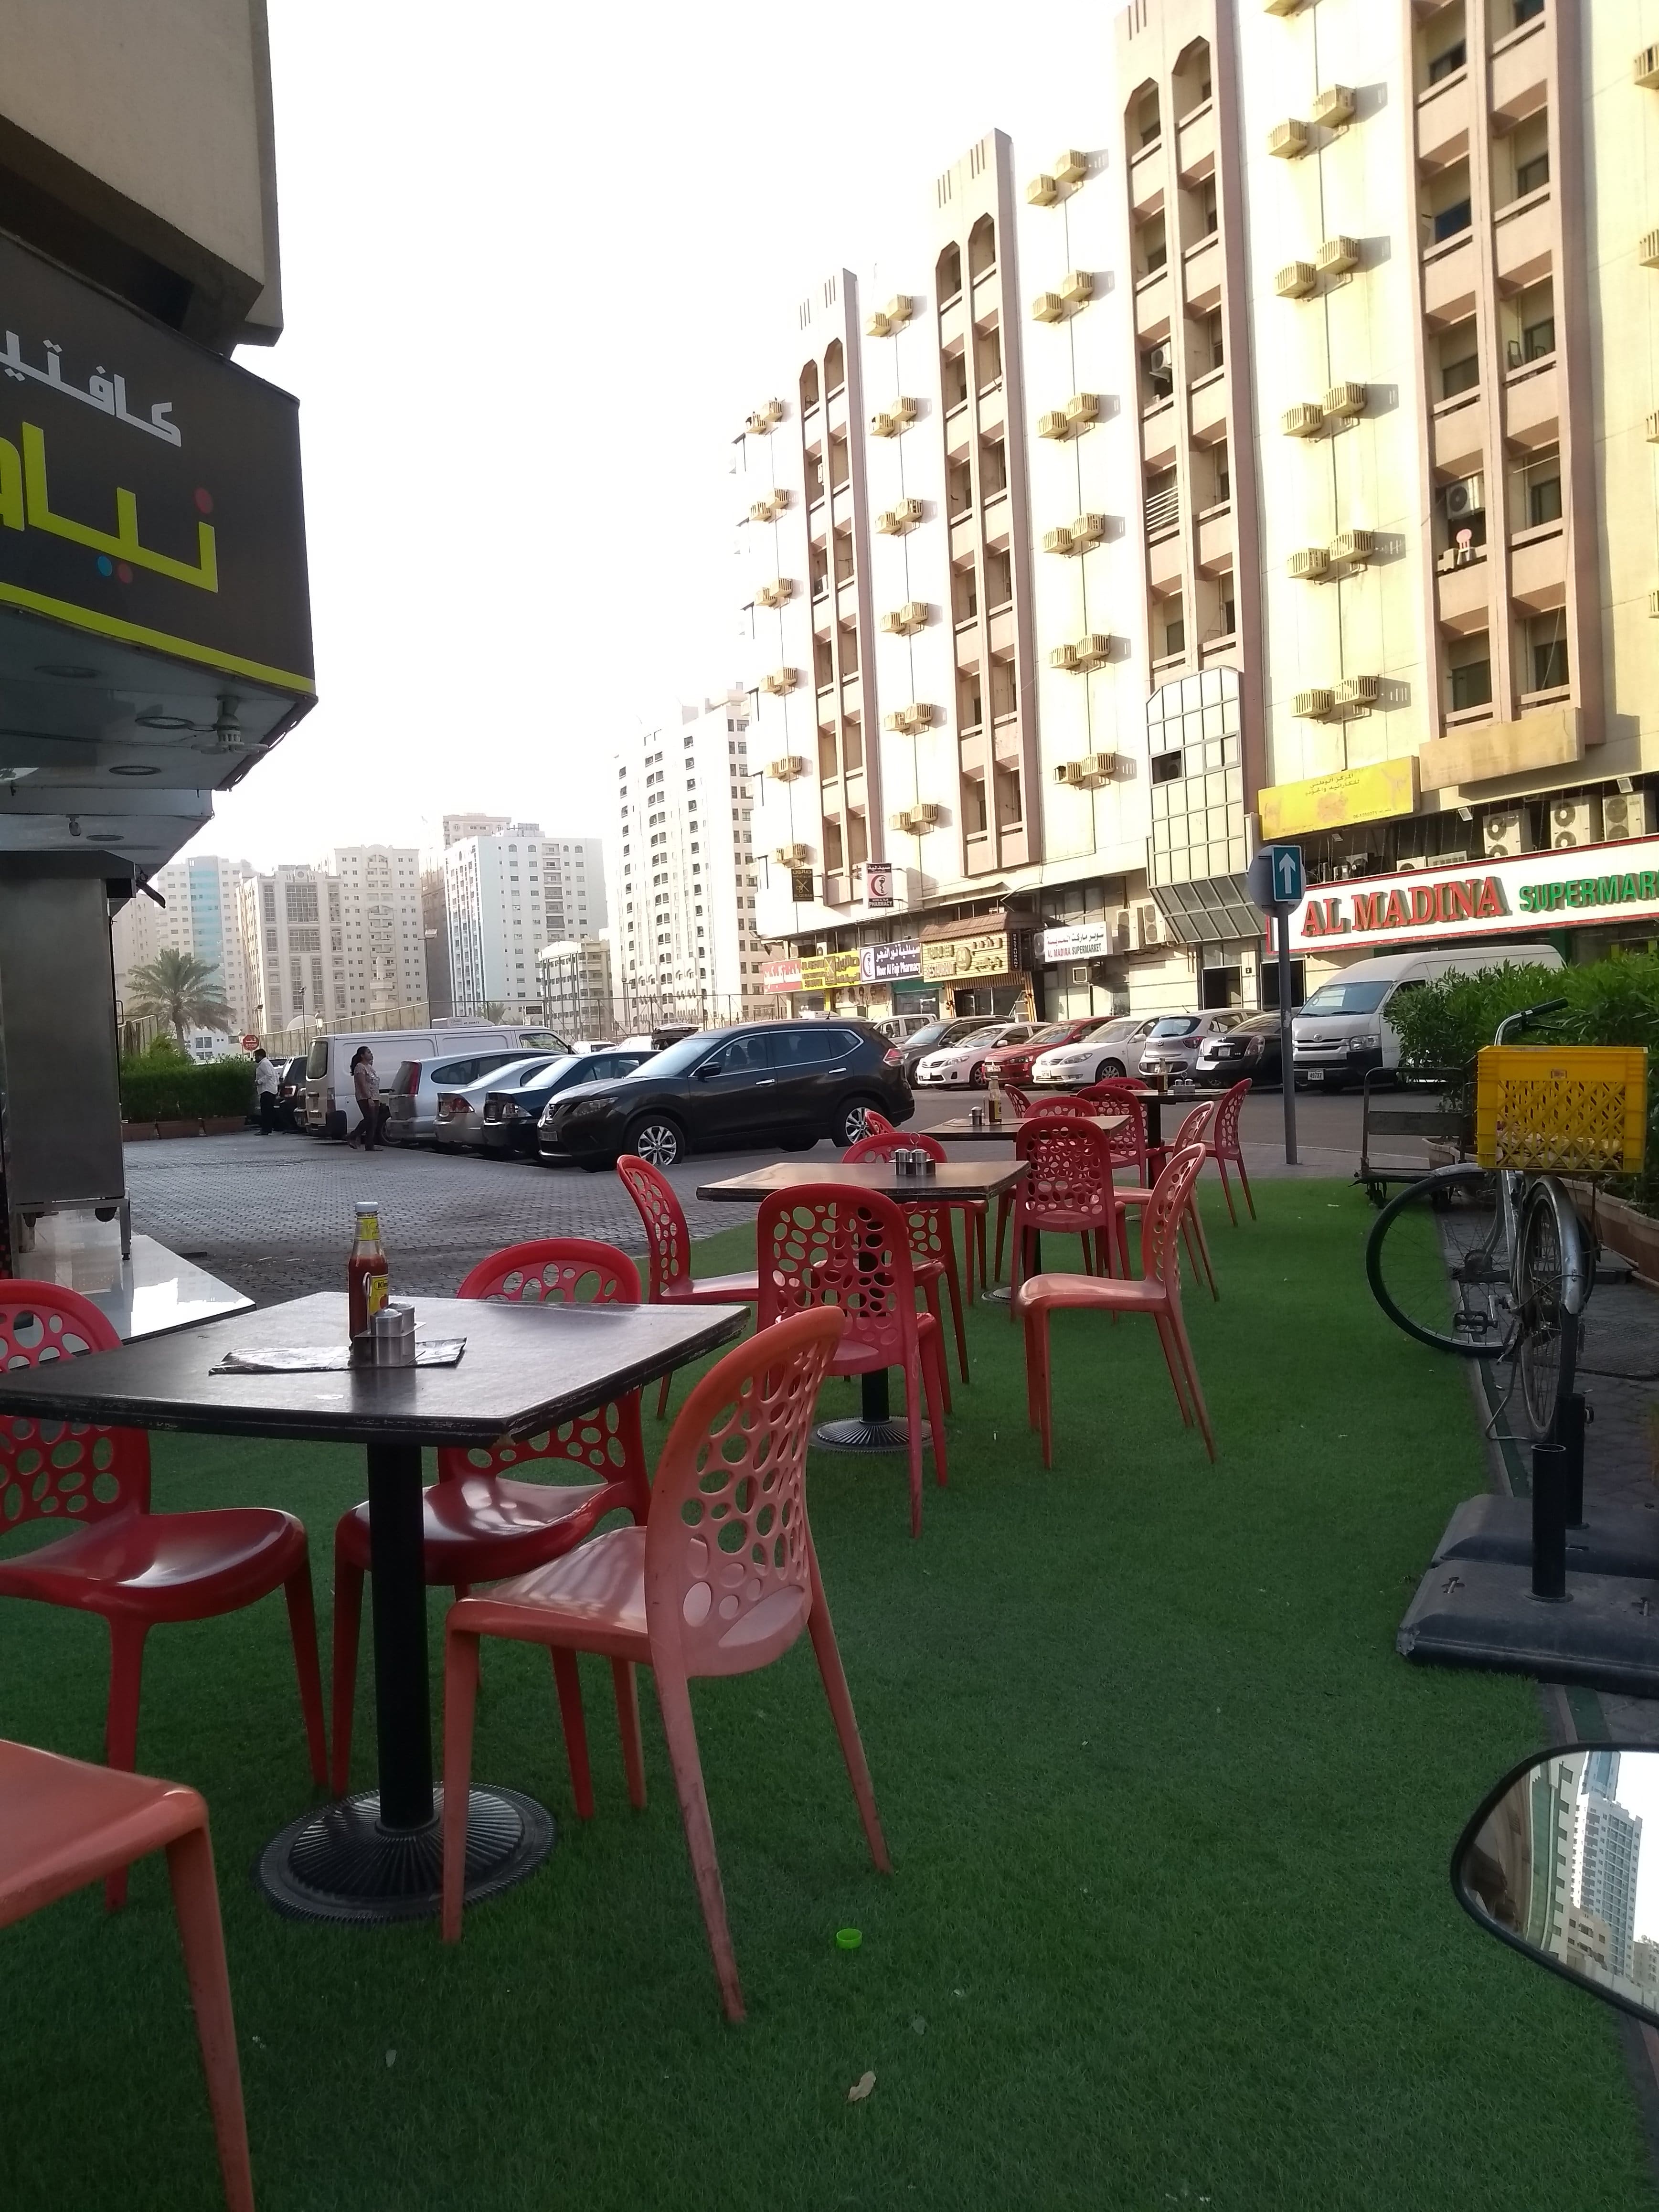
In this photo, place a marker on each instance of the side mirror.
(1551, 1864)
(704, 1070)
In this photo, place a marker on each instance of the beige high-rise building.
(1278, 467)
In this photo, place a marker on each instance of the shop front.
(875, 981)
(1079, 968)
(978, 967)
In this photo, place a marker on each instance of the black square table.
(378, 1856)
(876, 1428)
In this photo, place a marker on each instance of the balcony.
(1195, 144)
(1215, 541)
(1457, 436)
(846, 600)
(993, 411)
(1208, 404)
(1152, 307)
(852, 697)
(1164, 564)
(996, 522)
(964, 537)
(1200, 267)
(1158, 435)
(1002, 632)
(1162, 510)
(1443, 123)
(1520, 73)
(1524, 237)
(1532, 409)
(1449, 282)
(1538, 568)
(1462, 593)
(1147, 181)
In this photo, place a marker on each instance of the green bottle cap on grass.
(848, 1939)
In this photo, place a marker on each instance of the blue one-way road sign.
(1276, 877)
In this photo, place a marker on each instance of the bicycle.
(1514, 1290)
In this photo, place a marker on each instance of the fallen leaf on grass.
(861, 2089)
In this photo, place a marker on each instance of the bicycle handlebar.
(1527, 1015)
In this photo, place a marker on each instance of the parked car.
(1112, 1049)
(329, 1112)
(1013, 1060)
(412, 1096)
(1344, 1030)
(965, 1061)
(773, 1083)
(291, 1094)
(1249, 1047)
(934, 1036)
(460, 1111)
(1171, 1045)
(509, 1127)
(902, 1027)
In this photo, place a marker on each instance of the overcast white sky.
(534, 260)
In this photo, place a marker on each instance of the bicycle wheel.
(1437, 1265)
(1546, 1348)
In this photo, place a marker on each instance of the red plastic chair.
(1194, 1130)
(118, 1559)
(825, 1245)
(1066, 1190)
(1157, 1291)
(876, 1123)
(479, 1521)
(64, 1824)
(1224, 1146)
(932, 1246)
(721, 1580)
(1018, 1099)
(668, 1244)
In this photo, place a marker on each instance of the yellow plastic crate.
(1569, 1110)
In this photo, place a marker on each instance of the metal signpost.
(1277, 886)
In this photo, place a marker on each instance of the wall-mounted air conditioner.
(904, 411)
(1314, 706)
(1048, 308)
(786, 767)
(1574, 821)
(761, 511)
(1071, 166)
(1653, 606)
(1058, 541)
(1042, 190)
(1626, 813)
(1466, 497)
(1503, 835)
(1336, 255)
(778, 682)
(1356, 692)
(1647, 249)
(1077, 287)
(1289, 140)
(1306, 421)
(1296, 280)
(905, 620)
(1652, 429)
(1644, 69)
(899, 310)
(1053, 424)
(1082, 409)
(1412, 862)
(1089, 773)
(908, 721)
(1333, 106)
(894, 521)
(1308, 564)
(1344, 401)
(1095, 650)
(1151, 928)
(774, 593)
(1087, 530)
(1353, 547)
(883, 426)
(916, 821)
(792, 856)
(1063, 656)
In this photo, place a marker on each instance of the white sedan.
(964, 1062)
(1114, 1049)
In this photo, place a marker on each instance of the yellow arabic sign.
(26, 503)
(822, 971)
(954, 959)
(1347, 795)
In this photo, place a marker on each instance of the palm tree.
(176, 987)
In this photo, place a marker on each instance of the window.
(835, 367)
(992, 468)
(1166, 767)
(947, 274)
(1547, 651)
(1448, 208)
(982, 247)
(1541, 480)
(1449, 61)
(1221, 473)
(1148, 125)
(1151, 245)
(1469, 673)
(809, 385)
(1212, 349)
(743, 1056)
(1175, 628)
(1463, 374)
(988, 359)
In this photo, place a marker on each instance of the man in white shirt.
(266, 1082)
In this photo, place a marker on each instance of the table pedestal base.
(340, 1863)
(874, 1428)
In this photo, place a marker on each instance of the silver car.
(1171, 1046)
(414, 1091)
(460, 1110)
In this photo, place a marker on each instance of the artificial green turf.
(1170, 1919)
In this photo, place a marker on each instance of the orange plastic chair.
(1066, 1190)
(1224, 1146)
(480, 1521)
(118, 1559)
(1157, 1291)
(64, 1824)
(721, 1580)
(1194, 1130)
(932, 1246)
(668, 1244)
(825, 1245)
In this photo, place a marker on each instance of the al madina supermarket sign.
(1522, 896)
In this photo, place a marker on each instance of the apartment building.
(573, 980)
(509, 889)
(683, 868)
(1278, 467)
(293, 947)
(202, 916)
(383, 931)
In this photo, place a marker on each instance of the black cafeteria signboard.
(150, 491)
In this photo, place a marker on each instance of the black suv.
(763, 1084)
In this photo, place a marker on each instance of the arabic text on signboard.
(891, 963)
(1613, 882)
(955, 958)
(1084, 940)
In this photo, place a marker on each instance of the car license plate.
(1315, 1074)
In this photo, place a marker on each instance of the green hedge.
(1444, 1024)
(155, 1089)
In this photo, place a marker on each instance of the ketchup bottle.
(366, 1271)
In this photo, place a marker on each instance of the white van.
(329, 1100)
(1343, 1030)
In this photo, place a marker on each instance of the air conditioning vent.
(787, 768)
(778, 682)
(1466, 497)
(1653, 606)
(792, 856)
(1296, 280)
(1053, 424)
(1042, 192)
(894, 521)
(1344, 401)
(1082, 409)
(905, 620)
(1574, 821)
(1647, 249)
(1150, 926)
(1078, 288)
(757, 425)
(1359, 691)
(1336, 255)
(1088, 530)
(1333, 107)
(1626, 814)
(899, 310)
(1058, 541)
(1095, 650)
(1505, 835)
(1071, 167)
(1089, 773)
(904, 411)
(1653, 429)
(1048, 308)
(883, 426)
(1314, 706)
(1644, 70)
(774, 593)
(916, 821)
(1304, 421)
(1308, 565)
(1354, 546)
(876, 325)
(1288, 141)
(908, 721)
(762, 511)
(1063, 656)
